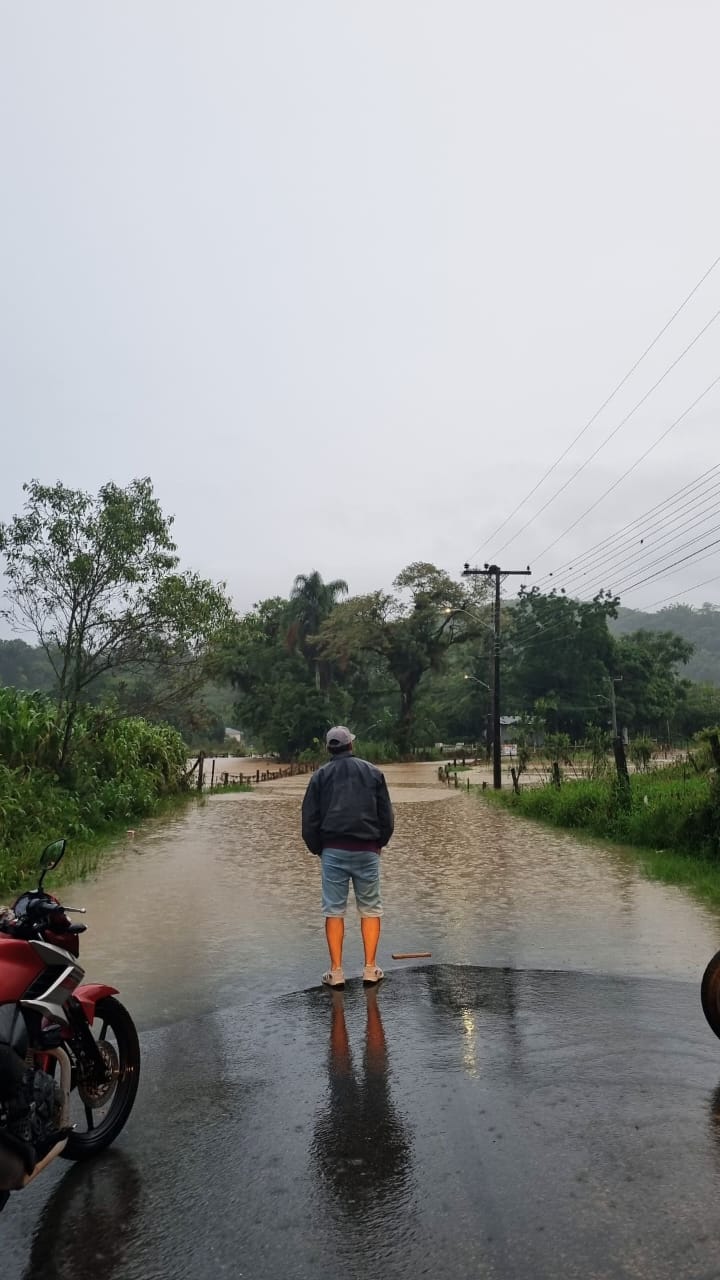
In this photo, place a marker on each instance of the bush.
(119, 769)
(661, 810)
(377, 752)
(641, 752)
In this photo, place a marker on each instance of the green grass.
(669, 820)
(699, 875)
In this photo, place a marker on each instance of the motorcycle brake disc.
(93, 1093)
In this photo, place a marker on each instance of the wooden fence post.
(201, 764)
(714, 741)
(621, 764)
(620, 759)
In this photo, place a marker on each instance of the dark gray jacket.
(347, 801)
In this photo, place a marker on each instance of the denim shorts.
(338, 869)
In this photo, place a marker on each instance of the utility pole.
(612, 681)
(494, 571)
(618, 744)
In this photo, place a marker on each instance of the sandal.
(372, 975)
(334, 978)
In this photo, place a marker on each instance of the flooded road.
(541, 1101)
(223, 900)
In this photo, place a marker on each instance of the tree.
(191, 712)
(277, 702)
(311, 602)
(650, 691)
(559, 650)
(699, 626)
(95, 577)
(410, 632)
(700, 708)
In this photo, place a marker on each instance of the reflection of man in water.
(360, 1145)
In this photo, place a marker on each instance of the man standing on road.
(347, 819)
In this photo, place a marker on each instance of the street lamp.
(482, 682)
(476, 616)
(477, 680)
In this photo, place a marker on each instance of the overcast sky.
(346, 278)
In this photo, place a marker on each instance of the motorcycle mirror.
(50, 857)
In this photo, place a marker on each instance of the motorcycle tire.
(710, 993)
(81, 1145)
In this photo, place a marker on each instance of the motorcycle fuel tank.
(19, 966)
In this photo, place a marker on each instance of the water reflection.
(484, 1005)
(87, 1224)
(361, 1146)
(714, 1118)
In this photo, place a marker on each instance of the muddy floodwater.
(200, 911)
(538, 1101)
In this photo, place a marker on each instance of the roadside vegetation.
(670, 815)
(118, 771)
(96, 579)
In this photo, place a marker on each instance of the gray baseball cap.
(339, 736)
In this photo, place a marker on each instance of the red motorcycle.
(710, 993)
(69, 1053)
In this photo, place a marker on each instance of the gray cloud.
(345, 279)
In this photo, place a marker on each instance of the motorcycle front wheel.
(99, 1109)
(710, 993)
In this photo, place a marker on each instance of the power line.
(528, 636)
(531, 633)
(533, 643)
(666, 568)
(631, 468)
(530, 629)
(684, 546)
(709, 476)
(647, 608)
(613, 433)
(604, 405)
(556, 633)
(610, 562)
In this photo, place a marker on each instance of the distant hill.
(700, 626)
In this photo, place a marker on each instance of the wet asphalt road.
(460, 1122)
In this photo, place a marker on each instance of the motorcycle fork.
(90, 1062)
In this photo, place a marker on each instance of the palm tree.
(311, 602)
